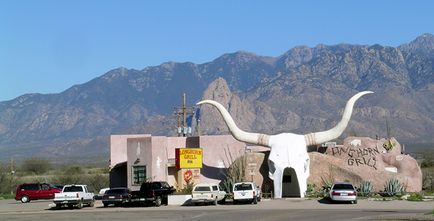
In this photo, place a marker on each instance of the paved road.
(274, 210)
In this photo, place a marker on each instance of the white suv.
(246, 191)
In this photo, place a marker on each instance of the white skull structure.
(288, 150)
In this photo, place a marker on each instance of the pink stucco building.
(141, 157)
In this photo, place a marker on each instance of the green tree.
(35, 165)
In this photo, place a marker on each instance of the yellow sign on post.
(188, 158)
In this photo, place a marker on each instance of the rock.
(365, 159)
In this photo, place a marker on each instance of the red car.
(35, 191)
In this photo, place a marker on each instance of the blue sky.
(48, 46)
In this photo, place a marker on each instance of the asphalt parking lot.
(294, 209)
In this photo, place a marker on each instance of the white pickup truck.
(246, 191)
(207, 193)
(74, 195)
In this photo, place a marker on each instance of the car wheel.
(80, 204)
(158, 201)
(25, 199)
(354, 202)
(92, 203)
(105, 204)
(235, 202)
(58, 206)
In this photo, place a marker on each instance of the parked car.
(153, 192)
(117, 196)
(59, 186)
(343, 191)
(246, 191)
(101, 193)
(207, 193)
(35, 191)
(74, 195)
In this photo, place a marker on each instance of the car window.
(202, 188)
(166, 185)
(45, 187)
(215, 188)
(116, 191)
(243, 186)
(30, 187)
(72, 189)
(156, 185)
(343, 187)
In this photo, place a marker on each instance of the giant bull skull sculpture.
(288, 150)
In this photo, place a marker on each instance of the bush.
(95, 182)
(187, 188)
(35, 166)
(73, 170)
(8, 180)
(314, 191)
(415, 197)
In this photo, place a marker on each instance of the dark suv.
(35, 191)
(152, 192)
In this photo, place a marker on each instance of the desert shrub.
(8, 181)
(366, 188)
(73, 170)
(428, 179)
(313, 191)
(187, 188)
(94, 182)
(415, 197)
(35, 166)
(393, 187)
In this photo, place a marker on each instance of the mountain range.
(303, 90)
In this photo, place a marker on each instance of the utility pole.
(182, 112)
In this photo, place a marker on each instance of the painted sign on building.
(188, 158)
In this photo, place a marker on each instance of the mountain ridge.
(301, 90)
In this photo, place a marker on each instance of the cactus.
(366, 188)
(393, 187)
(227, 185)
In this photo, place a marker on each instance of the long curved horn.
(324, 136)
(253, 138)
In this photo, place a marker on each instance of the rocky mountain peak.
(219, 91)
(423, 44)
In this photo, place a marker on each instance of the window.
(73, 189)
(139, 174)
(202, 188)
(343, 187)
(243, 186)
(215, 188)
(45, 187)
(30, 187)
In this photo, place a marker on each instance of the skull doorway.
(290, 186)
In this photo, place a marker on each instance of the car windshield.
(73, 189)
(244, 186)
(202, 188)
(343, 187)
(116, 191)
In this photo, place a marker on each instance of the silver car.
(343, 191)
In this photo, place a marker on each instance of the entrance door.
(290, 187)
